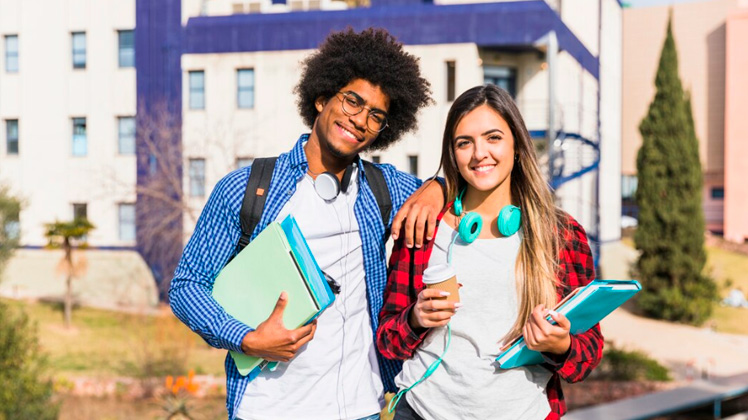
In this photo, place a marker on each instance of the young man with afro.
(358, 92)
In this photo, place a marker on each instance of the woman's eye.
(494, 138)
(462, 143)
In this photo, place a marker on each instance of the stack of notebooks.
(277, 260)
(584, 307)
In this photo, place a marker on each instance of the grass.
(729, 270)
(108, 344)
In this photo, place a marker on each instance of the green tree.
(671, 228)
(69, 235)
(25, 393)
(10, 208)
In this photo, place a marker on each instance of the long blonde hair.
(537, 262)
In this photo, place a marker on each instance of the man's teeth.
(348, 133)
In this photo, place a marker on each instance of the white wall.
(46, 93)
(221, 132)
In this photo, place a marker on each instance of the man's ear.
(320, 103)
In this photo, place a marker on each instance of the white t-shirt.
(336, 375)
(468, 384)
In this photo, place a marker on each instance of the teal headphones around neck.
(471, 223)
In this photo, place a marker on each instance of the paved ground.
(688, 351)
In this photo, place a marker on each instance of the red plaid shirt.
(397, 340)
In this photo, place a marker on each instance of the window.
(197, 89)
(376, 159)
(413, 164)
(80, 142)
(11, 137)
(197, 177)
(718, 193)
(126, 222)
(11, 53)
(126, 48)
(245, 82)
(503, 77)
(451, 76)
(13, 225)
(80, 211)
(79, 50)
(126, 135)
(243, 162)
(628, 186)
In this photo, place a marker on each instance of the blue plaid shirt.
(217, 233)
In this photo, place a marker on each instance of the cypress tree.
(671, 228)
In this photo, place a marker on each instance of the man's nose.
(359, 120)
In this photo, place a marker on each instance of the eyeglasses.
(352, 104)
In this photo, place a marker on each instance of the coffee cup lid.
(438, 273)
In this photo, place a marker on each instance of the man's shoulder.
(231, 187)
(393, 175)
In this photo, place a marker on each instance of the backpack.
(259, 183)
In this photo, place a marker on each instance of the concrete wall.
(610, 121)
(46, 93)
(736, 128)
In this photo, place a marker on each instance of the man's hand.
(541, 335)
(432, 309)
(419, 213)
(272, 341)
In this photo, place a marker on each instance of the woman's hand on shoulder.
(541, 335)
(432, 309)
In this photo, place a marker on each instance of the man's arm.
(207, 251)
(417, 204)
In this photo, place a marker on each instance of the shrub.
(623, 365)
(25, 390)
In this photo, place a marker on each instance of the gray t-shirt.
(469, 384)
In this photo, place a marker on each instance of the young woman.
(510, 279)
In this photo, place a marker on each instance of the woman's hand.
(541, 335)
(432, 309)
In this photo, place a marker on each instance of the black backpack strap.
(378, 186)
(254, 198)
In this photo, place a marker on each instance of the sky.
(645, 3)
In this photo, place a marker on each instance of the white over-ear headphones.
(327, 185)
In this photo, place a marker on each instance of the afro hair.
(377, 57)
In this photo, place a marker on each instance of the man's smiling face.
(343, 135)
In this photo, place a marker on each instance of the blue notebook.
(277, 260)
(584, 307)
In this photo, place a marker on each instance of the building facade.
(211, 88)
(709, 66)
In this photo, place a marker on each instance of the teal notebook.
(277, 260)
(584, 307)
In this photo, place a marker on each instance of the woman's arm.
(395, 337)
(576, 269)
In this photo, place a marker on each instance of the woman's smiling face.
(484, 149)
